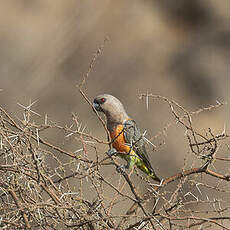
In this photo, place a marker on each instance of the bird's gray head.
(111, 107)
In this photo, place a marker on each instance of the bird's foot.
(111, 152)
(121, 169)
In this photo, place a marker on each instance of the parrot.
(126, 138)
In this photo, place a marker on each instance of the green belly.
(133, 159)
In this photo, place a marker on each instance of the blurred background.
(178, 49)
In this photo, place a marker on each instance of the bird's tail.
(155, 177)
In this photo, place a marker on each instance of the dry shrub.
(43, 186)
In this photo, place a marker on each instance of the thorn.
(68, 135)
(218, 103)
(28, 108)
(38, 138)
(68, 193)
(46, 119)
(147, 100)
(83, 129)
(79, 150)
(189, 193)
(224, 130)
(144, 132)
(198, 188)
(147, 140)
(78, 167)
(1, 143)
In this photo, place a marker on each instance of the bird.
(126, 138)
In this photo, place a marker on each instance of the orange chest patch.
(118, 139)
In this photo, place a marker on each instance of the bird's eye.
(103, 100)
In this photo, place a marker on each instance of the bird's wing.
(135, 140)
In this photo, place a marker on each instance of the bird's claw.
(111, 152)
(121, 169)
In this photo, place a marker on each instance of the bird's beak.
(97, 107)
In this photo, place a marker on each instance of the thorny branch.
(45, 186)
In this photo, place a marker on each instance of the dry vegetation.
(40, 190)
